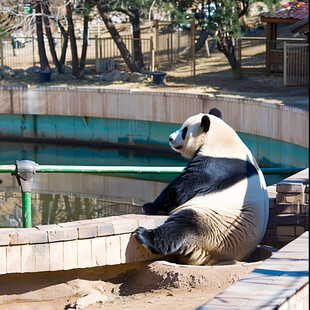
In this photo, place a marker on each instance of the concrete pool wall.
(258, 117)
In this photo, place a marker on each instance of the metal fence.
(264, 55)
(164, 48)
(296, 64)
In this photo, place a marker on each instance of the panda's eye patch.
(184, 132)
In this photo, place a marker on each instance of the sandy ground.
(156, 285)
(150, 285)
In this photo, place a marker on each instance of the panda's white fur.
(219, 206)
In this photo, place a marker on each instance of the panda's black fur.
(203, 175)
(196, 233)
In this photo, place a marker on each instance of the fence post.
(33, 54)
(193, 63)
(171, 48)
(284, 63)
(96, 54)
(157, 43)
(239, 51)
(152, 55)
(2, 54)
(24, 171)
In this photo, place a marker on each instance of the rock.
(102, 77)
(7, 72)
(91, 298)
(125, 76)
(67, 70)
(87, 70)
(137, 77)
(33, 70)
(20, 72)
(114, 76)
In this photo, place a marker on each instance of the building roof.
(301, 26)
(292, 11)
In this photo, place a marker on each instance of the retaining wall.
(251, 116)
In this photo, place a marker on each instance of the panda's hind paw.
(139, 234)
(144, 236)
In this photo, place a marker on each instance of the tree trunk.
(136, 34)
(103, 10)
(75, 59)
(202, 39)
(85, 37)
(64, 34)
(50, 36)
(64, 49)
(42, 54)
(226, 46)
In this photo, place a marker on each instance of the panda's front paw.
(152, 209)
(149, 208)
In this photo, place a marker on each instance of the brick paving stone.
(42, 256)
(56, 256)
(290, 219)
(113, 250)
(28, 258)
(146, 221)
(104, 229)
(98, 251)
(290, 187)
(38, 236)
(122, 226)
(84, 248)
(13, 259)
(4, 237)
(159, 220)
(70, 254)
(21, 236)
(87, 231)
(3, 260)
(127, 244)
(281, 208)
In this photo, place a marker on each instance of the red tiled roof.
(292, 10)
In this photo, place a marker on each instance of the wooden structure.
(289, 13)
(301, 27)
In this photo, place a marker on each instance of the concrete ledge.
(81, 244)
(280, 282)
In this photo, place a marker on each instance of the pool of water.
(69, 197)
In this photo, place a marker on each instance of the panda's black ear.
(216, 112)
(205, 123)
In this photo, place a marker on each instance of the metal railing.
(296, 64)
(24, 171)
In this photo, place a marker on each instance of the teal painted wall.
(268, 152)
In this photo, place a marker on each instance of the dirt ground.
(155, 285)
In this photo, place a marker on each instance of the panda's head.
(208, 134)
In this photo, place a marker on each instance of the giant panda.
(218, 207)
